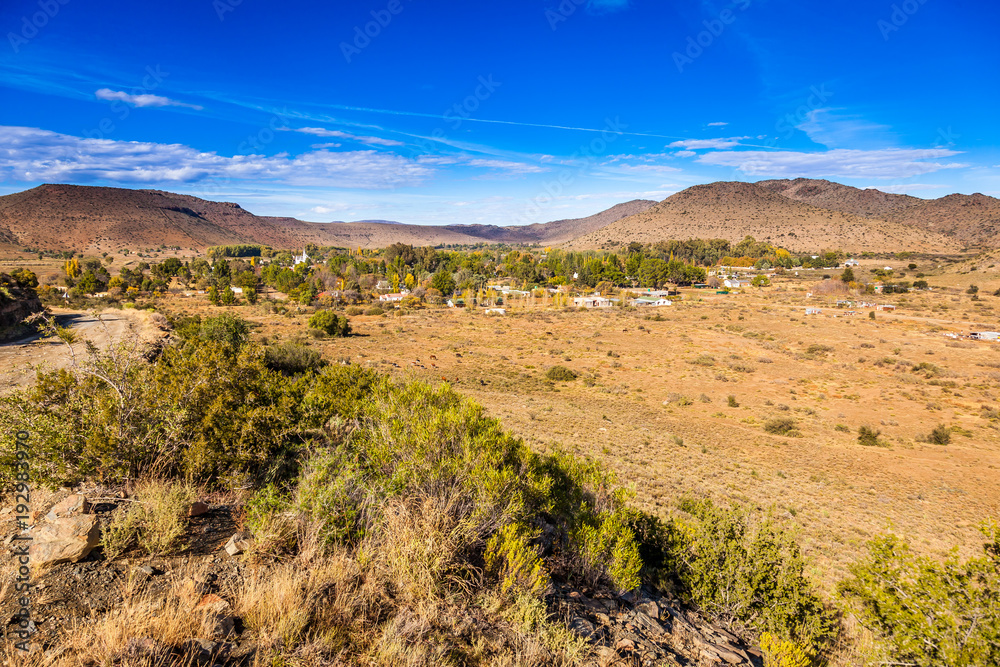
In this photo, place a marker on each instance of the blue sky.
(496, 113)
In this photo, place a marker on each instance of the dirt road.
(19, 359)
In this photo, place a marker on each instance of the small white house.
(646, 301)
(595, 301)
(736, 283)
(852, 262)
(813, 311)
(393, 298)
(494, 311)
(300, 259)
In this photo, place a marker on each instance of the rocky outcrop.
(644, 628)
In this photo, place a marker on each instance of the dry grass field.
(652, 401)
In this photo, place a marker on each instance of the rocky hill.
(867, 203)
(733, 210)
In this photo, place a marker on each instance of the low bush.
(780, 426)
(292, 359)
(941, 435)
(374, 311)
(155, 520)
(869, 437)
(354, 311)
(560, 374)
(731, 401)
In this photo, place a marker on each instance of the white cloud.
(322, 146)
(718, 124)
(833, 130)
(337, 134)
(695, 144)
(883, 163)
(35, 155)
(505, 165)
(685, 153)
(144, 100)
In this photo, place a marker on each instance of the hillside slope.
(867, 203)
(58, 217)
(734, 210)
(973, 220)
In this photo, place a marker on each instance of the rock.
(648, 624)
(145, 648)
(582, 627)
(66, 540)
(606, 656)
(728, 655)
(70, 506)
(198, 508)
(649, 608)
(238, 543)
(218, 620)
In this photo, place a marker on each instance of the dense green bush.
(930, 613)
(330, 323)
(869, 437)
(941, 435)
(560, 374)
(745, 569)
(780, 426)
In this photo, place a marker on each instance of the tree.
(330, 323)
(760, 281)
(443, 282)
(848, 275)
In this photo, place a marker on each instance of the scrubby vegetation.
(561, 374)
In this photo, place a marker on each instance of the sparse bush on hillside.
(941, 435)
(869, 437)
(731, 400)
(560, 374)
(374, 311)
(154, 522)
(354, 311)
(780, 426)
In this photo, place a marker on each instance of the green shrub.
(817, 349)
(330, 323)
(703, 360)
(929, 612)
(941, 435)
(354, 311)
(731, 401)
(513, 558)
(869, 437)
(292, 359)
(780, 425)
(374, 311)
(155, 521)
(560, 374)
(746, 570)
(843, 428)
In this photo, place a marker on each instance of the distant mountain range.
(801, 215)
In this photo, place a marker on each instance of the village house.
(394, 297)
(594, 301)
(300, 259)
(852, 262)
(647, 301)
(736, 283)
